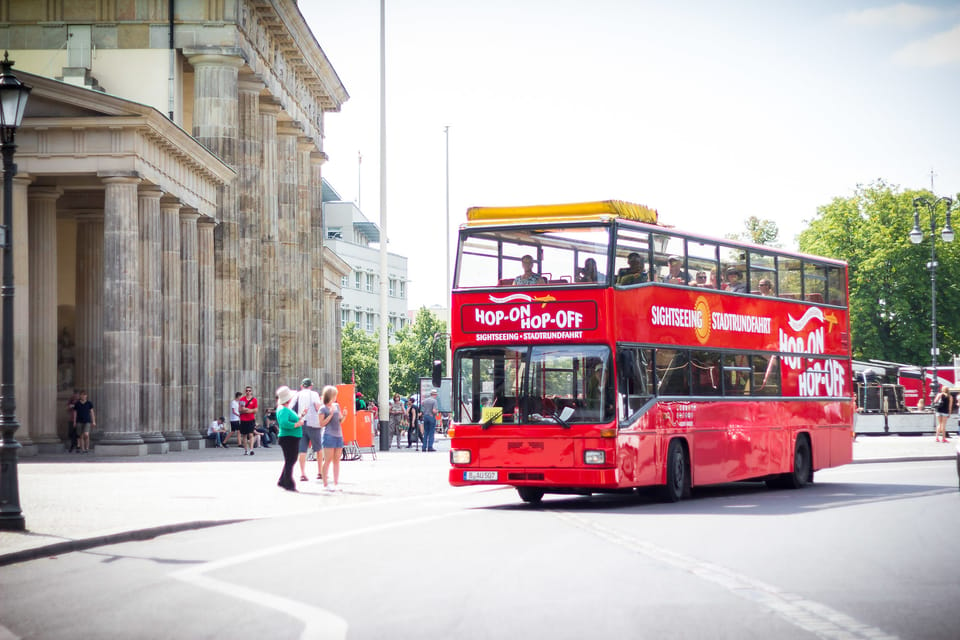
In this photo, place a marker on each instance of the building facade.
(167, 213)
(350, 234)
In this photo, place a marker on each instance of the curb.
(69, 546)
(902, 459)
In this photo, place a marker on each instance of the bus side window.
(672, 372)
(766, 375)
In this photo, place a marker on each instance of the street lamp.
(13, 102)
(916, 237)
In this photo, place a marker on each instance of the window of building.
(403, 289)
(393, 288)
(370, 317)
(358, 279)
(344, 318)
(370, 279)
(344, 282)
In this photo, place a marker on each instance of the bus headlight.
(593, 456)
(460, 456)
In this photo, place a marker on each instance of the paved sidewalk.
(72, 502)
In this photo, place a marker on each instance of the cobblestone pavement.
(73, 501)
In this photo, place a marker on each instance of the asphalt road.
(866, 552)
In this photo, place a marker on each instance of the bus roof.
(562, 212)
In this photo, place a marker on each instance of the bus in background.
(597, 351)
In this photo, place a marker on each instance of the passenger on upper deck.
(676, 275)
(528, 276)
(734, 282)
(766, 287)
(634, 273)
(588, 273)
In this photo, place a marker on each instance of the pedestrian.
(216, 431)
(84, 420)
(71, 423)
(308, 402)
(414, 423)
(331, 415)
(290, 426)
(396, 417)
(248, 420)
(943, 405)
(429, 410)
(234, 419)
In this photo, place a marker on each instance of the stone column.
(41, 393)
(190, 340)
(151, 321)
(118, 415)
(304, 260)
(89, 310)
(288, 293)
(216, 125)
(269, 248)
(209, 405)
(21, 313)
(171, 318)
(249, 206)
(318, 322)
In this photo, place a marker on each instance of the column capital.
(44, 193)
(189, 215)
(150, 191)
(124, 177)
(207, 221)
(289, 128)
(305, 143)
(170, 203)
(270, 105)
(215, 56)
(318, 157)
(250, 82)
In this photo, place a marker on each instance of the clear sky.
(708, 111)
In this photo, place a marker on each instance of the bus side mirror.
(437, 373)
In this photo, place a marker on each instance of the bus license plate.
(480, 475)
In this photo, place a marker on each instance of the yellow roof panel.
(561, 212)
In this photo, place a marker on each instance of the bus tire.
(678, 473)
(530, 495)
(802, 472)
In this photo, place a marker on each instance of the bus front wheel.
(678, 474)
(531, 495)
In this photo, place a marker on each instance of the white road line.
(319, 624)
(809, 615)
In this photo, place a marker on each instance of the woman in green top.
(289, 424)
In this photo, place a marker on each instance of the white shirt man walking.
(308, 407)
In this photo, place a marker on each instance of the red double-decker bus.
(597, 351)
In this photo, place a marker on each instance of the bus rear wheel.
(678, 474)
(802, 467)
(530, 495)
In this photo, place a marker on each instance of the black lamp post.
(13, 102)
(916, 237)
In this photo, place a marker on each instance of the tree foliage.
(360, 358)
(412, 352)
(414, 349)
(889, 279)
(765, 232)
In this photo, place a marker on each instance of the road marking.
(809, 615)
(318, 624)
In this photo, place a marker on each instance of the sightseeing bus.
(595, 350)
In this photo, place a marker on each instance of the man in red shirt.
(248, 420)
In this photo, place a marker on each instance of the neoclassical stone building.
(167, 213)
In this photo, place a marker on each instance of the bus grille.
(525, 476)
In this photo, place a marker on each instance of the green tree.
(758, 231)
(359, 354)
(413, 350)
(889, 279)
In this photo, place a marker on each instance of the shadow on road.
(752, 498)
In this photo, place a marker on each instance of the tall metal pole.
(11, 517)
(449, 353)
(383, 398)
(916, 236)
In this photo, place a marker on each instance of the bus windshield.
(560, 254)
(536, 385)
